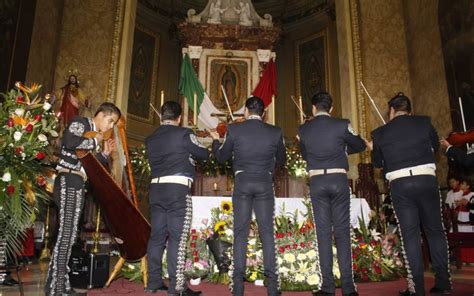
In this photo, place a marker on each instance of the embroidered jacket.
(73, 139)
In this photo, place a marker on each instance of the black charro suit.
(171, 151)
(256, 148)
(325, 143)
(403, 146)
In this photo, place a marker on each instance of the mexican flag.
(189, 85)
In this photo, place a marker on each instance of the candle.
(162, 98)
(215, 186)
(195, 109)
(301, 112)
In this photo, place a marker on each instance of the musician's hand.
(99, 137)
(445, 144)
(214, 135)
(109, 146)
(370, 144)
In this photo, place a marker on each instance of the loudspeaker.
(89, 270)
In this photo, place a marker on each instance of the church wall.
(287, 115)
(384, 54)
(44, 43)
(85, 44)
(427, 73)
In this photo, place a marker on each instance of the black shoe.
(189, 292)
(8, 281)
(351, 294)
(406, 293)
(160, 288)
(436, 290)
(322, 293)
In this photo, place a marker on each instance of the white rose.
(46, 106)
(313, 280)
(283, 270)
(299, 277)
(19, 112)
(301, 257)
(216, 269)
(42, 138)
(311, 254)
(53, 133)
(290, 258)
(7, 177)
(280, 261)
(17, 135)
(198, 265)
(336, 272)
(229, 232)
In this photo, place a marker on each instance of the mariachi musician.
(69, 188)
(404, 148)
(171, 151)
(458, 155)
(256, 147)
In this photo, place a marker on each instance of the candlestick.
(195, 109)
(301, 106)
(162, 98)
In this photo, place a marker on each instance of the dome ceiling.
(282, 11)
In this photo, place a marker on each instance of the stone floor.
(33, 277)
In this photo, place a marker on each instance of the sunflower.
(220, 227)
(226, 207)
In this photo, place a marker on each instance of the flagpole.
(195, 109)
(301, 109)
(273, 109)
(162, 98)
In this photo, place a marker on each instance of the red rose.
(10, 189)
(282, 250)
(302, 245)
(193, 245)
(295, 246)
(354, 266)
(194, 237)
(289, 234)
(19, 150)
(195, 253)
(29, 128)
(40, 155)
(365, 277)
(38, 117)
(41, 181)
(378, 269)
(196, 259)
(193, 231)
(287, 247)
(10, 122)
(19, 100)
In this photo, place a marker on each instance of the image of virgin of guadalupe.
(229, 81)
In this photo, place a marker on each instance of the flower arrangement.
(294, 161)
(296, 254)
(376, 256)
(26, 125)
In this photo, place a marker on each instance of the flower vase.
(195, 282)
(259, 283)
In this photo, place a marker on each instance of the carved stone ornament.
(195, 52)
(264, 55)
(233, 12)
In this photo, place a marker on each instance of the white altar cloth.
(202, 206)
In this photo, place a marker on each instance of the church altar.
(202, 206)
